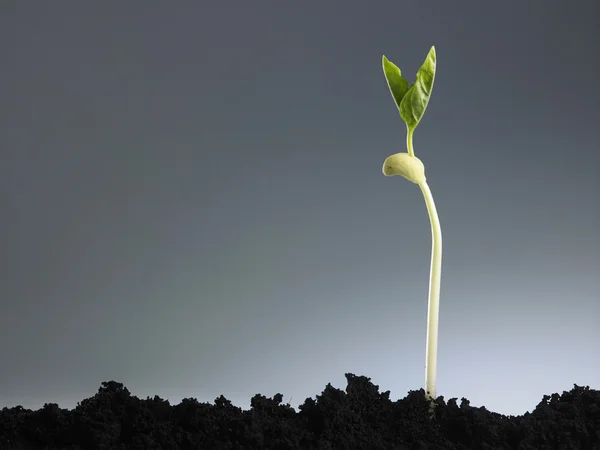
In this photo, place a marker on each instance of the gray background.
(192, 199)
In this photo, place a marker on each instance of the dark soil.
(360, 418)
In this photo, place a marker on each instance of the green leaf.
(414, 102)
(398, 85)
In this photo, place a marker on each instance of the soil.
(359, 418)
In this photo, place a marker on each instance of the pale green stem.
(433, 308)
(409, 141)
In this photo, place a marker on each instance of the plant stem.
(409, 141)
(433, 308)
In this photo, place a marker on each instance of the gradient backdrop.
(192, 199)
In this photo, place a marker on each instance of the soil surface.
(359, 418)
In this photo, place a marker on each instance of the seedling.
(412, 102)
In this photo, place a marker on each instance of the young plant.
(412, 102)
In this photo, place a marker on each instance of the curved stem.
(433, 308)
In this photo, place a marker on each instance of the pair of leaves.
(411, 101)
